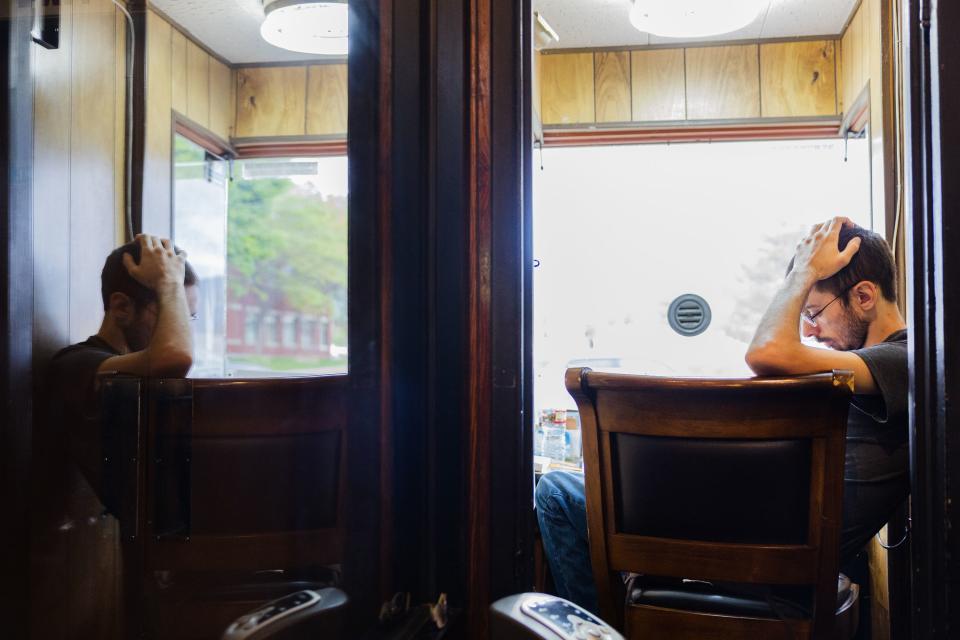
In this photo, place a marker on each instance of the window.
(287, 252)
(308, 330)
(272, 241)
(289, 331)
(199, 226)
(270, 330)
(620, 232)
(251, 326)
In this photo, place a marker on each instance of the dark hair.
(116, 278)
(872, 262)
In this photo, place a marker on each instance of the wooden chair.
(725, 495)
(238, 499)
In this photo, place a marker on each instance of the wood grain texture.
(537, 86)
(198, 85)
(723, 82)
(51, 187)
(567, 88)
(178, 71)
(327, 99)
(92, 159)
(77, 95)
(157, 157)
(798, 79)
(612, 86)
(120, 125)
(271, 101)
(851, 50)
(658, 85)
(222, 103)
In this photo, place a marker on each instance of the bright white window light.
(693, 18)
(306, 26)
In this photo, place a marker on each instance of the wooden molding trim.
(479, 376)
(683, 133)
(277, 149)
(201, 136)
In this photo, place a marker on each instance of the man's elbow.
(766, 360)
(171, 364)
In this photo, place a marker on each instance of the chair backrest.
(736, 480)
(226, 478)
(245, 474)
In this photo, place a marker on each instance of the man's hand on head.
(160, 263)
(818, 255)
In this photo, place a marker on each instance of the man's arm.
(170, 350)
(776, 348)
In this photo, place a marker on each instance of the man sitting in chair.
(841, 287)
(149, 293)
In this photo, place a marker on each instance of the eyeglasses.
(811, 319)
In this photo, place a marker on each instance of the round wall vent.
(689, 315)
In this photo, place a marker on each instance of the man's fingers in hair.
(852, 247)
(165, 242)
(129, 262)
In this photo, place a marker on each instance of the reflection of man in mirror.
(149, 296)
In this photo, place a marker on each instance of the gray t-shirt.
(877, 448)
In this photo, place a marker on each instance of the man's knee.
(555, 486)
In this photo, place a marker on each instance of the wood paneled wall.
(276, 102)
(791, 79)
(183, 79)
(78, 204)
(866, 52)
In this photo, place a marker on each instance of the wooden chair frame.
(305, 406)
(810, 407)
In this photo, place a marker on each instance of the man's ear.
(865, 295)
(121, 307)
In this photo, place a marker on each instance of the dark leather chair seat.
(728, 599)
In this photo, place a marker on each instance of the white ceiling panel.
(230, 28)
(587, 24)
(816, 18)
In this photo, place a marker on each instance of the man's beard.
(852, 333)
(137, 335)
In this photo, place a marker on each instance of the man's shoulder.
(91, 351)
(893, 348)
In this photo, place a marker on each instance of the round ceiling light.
(306, 26)
(693, 18)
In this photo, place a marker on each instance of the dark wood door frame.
(932, 79)
(499, 375)
(16, 308)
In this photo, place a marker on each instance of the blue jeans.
(562, 516)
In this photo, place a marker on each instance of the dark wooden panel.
(773, 565)
(250, 408)
(656, 622)
(260, 552)
(16, 305)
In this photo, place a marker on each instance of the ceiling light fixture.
(306, 26)
(693, 18)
